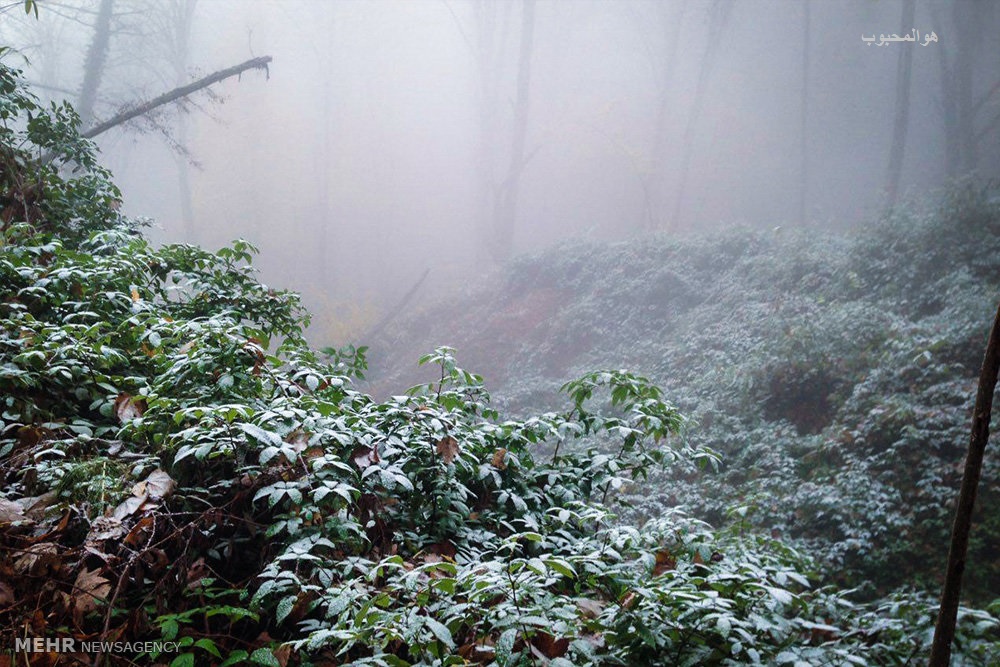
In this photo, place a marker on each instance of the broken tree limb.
(175, 94)
(944, 631)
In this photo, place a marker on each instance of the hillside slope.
(834, 375)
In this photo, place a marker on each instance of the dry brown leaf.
(6, 595)
(37, 506)
(12, 511)
(447, 448)
(37, 558)
(364, 456)
(140, 532)
(549, 646)
(664, 562)
(282, 653)
(105, 528)
(128, 407)
(629, 600)
(590, 608)
(500, 459)
(159, 484)
(156, 561)
(94, 551)
(129, 507)
(90, 588)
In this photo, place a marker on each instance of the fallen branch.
(176, 93)
(944, 631)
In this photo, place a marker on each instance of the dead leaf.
(549, 646)
(90, 588)
(36, 506)
(444, 548)
(156, 561)
(500, 459)
(11, 511)
(664, 562)
(629, 600)
(140, 532)
(589, 608)
(447, 449)
(364, 456)
(105, 528)
(129, 507)
(93, 551)
(37, 558)
(135, 296)
(158, 485)
(6, 595)
(128, 407)
(282, 653)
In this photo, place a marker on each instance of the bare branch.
(177, 93)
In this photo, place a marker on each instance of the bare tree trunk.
(487, 49)
(901, 117)
(803, 118)
(506, 206)
(653, 185)
(181, 23)
(720, 15)
(944, 632)
(93, 69)
(969, 31)
(959, 111)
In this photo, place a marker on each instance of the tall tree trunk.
(506, 206)
(959, 111)
(968, 30)
(181, 23)
(653, 183)
(719, 17)
(93, 69)
(490, 38)
(901, 117)
(944, 632)
(804, 118)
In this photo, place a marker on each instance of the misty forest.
(499, 332)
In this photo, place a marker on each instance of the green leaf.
(505, 647)
(234, 658)
(183, 660)
(208, 645)
(264, 656)
(440, 631)
(285, 607)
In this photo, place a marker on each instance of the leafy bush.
(833, 374)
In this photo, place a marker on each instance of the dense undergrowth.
(178, 465)
(834, 375)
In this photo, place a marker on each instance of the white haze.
(368, 127)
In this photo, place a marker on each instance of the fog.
(383, 139)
